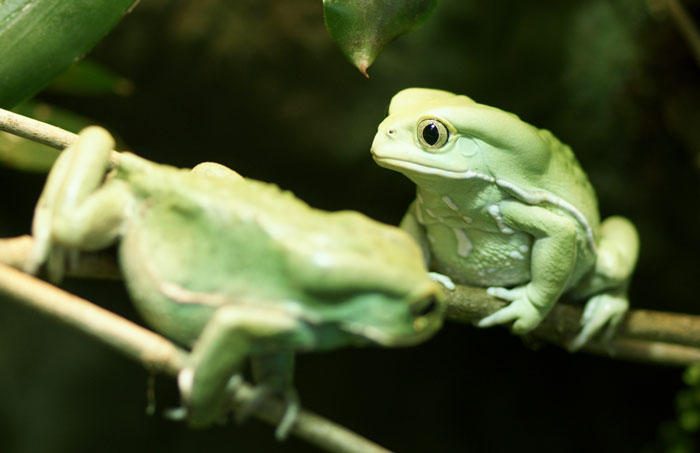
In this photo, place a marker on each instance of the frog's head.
(393, 319)
(367, 280)
(437, 133)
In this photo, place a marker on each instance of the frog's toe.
(602, 312)
(444, 280)
(506, 293)
(262, 394)
(525, 315)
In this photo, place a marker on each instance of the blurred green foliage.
(260, 87)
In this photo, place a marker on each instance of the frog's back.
(200, 242)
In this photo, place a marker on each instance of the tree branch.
(158, 354)
(644, 335)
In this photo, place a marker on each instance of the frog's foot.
(521, 310)
(444, 280)
(185, 381)
(602, 313)
(264, 392)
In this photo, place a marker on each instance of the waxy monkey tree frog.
(235, 268)
(505, 205)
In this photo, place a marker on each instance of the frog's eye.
(432, 134)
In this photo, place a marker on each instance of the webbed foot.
(602, 314)
(521, 310)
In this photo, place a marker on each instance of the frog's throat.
(534, 198)
(380, 337)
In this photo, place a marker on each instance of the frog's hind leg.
(618, 249)
(71, 212)
(234, 333)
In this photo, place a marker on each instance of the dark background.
(260, 87)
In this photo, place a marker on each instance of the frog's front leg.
(551, 264)
(234, 333)
(72, 213)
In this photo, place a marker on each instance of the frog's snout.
(427, 315)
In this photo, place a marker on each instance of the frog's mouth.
(426, 322)
(393, 163)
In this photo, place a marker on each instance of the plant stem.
(158, 354)
(686, 25)
(35, 130)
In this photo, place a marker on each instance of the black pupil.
(431, 134)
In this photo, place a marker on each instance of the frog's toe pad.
(602, 312)
(444, 280)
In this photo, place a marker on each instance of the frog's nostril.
(391, 132)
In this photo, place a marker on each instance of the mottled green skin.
(500, 204)
(235, 268)
(247, 242)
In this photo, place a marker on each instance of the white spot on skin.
(448, 201)
(322, 260)
(430, 213)
(464, 245)
(495, 212)
(524, 248)
(516, 255)
(467, 219)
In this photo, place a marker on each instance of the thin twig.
(686, 25)
(35, 130)
(158, 354)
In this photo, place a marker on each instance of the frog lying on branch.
(234, 268)
(505, 205)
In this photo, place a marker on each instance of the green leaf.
(41, 38)
(88, 78)
(362, 28)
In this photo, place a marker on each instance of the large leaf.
(41, 38)
(362, 28)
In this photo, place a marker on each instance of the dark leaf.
(362, 28)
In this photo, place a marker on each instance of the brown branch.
(644, 335)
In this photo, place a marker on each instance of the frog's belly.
(481, 258)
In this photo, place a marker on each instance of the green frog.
(234, 268)
(505, 205)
